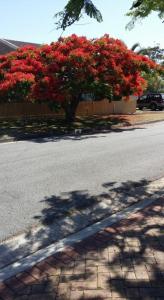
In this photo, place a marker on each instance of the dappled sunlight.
(122, 259)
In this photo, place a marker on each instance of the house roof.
(7, 46)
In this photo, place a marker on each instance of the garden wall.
(85, 108)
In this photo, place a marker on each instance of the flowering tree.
(61, 72)
(18, 72)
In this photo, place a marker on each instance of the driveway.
(35, 175)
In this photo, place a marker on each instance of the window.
(157, 97)
(142, 98)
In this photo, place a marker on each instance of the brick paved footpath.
(125, 261)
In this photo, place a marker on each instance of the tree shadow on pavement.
(40, 138)
(78, 136)
(70, 212)
(48, 129)
(123, 261)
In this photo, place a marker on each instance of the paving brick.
(95, 263)
(79, 267)
(103, 281)
(132, 241)
(47, 269)
(104, 269)
(116, 297)
(133, 293)
(37, 273)
(68, 278)
(68, 269)
(24, 291)
(88, 244)
(64, 291)
(50, 288)
(138, 283)
(7, 294)
(129, 275)
(26, 278)
(117, 283)
(63, 257)
(71, 251)
(53, 280)
(42, 297)
(127, 268)
(157, 283)
(150, 292)
(114, 258)
(160, 291)
(14, 283)
(91, 270)
(102, 236)
(24, 297)
(38, 288)
(119, 293)
(51, 261)
(111, 230)
(93, 255)
(113, 248)
(124, 262)
(3, 287)
(77, 295)
(81, 252)
(141, 272)
(104, 255)
(97, 294)
(86, 284)
(158, 255)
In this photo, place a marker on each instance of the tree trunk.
(70, 110)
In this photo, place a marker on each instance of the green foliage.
(102, 90)
(154, 78)
(155, 82)
(75, 9)
(155, 53)
(143, 8)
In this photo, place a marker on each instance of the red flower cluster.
(62, 71)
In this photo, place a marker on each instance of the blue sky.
(32, 20)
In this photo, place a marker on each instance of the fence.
(85, 108)
(105, 107)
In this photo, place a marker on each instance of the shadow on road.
(74, 134)
(84, 135)
(126, 257)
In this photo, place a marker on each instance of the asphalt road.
(31, 172)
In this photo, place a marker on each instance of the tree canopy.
(75, 9)
(155, 78)
(60, 73)
(155, 53)
(142, 8)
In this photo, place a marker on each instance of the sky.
(33, 21)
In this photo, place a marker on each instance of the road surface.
(34, 171)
